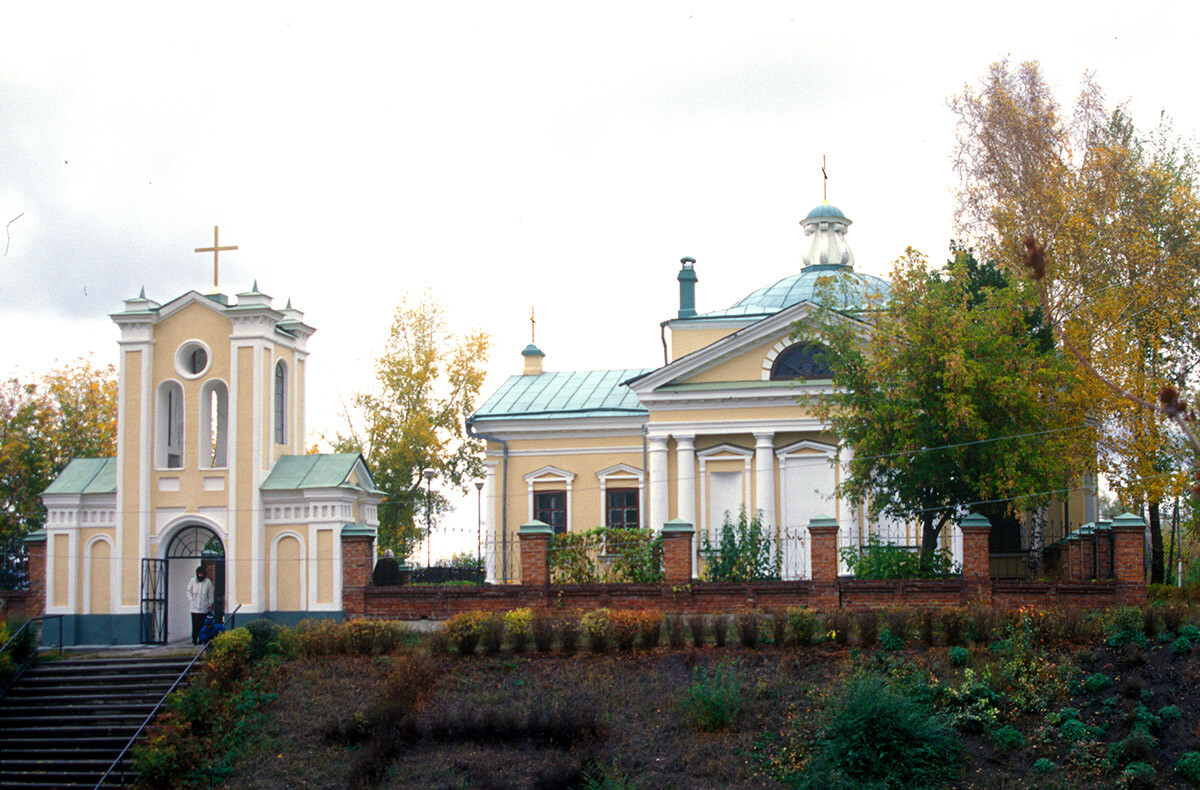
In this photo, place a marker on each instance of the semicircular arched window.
(802, 361)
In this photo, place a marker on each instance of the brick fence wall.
(824, 591)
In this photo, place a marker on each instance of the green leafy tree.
(427, 382)
(945, 395)
(70, 412)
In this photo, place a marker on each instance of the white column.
(764, 483)
(685, 490)
(658, 482)
(764, 478)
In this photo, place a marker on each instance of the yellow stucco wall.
(685, 341)
(288, 574)
(100, 565)
(62, 570)
(746, 366)
(325, 566)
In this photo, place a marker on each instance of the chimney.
(533, 360)
(687, 288)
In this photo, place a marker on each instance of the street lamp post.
(479, 525)
(429, 474)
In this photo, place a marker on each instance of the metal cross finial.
(216, 250)
(532, 328)
(824, 181)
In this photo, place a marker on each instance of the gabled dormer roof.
(320, 470)
(86, 476)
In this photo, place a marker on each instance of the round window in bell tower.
(192, 359)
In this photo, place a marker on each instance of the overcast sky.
(505, 155)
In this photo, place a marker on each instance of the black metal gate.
(154, 602)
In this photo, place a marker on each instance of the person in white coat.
(200, 601)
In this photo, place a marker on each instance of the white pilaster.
(658, 482)
(685, 488)
(489, 508)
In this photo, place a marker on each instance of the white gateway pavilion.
(210, 469)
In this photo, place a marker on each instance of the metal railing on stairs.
(32, 653)
(154, 712)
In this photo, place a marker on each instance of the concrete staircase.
(65, 721)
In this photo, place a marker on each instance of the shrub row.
(890, 628)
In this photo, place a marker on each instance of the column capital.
(764, 439)
(658, 442)
(685, 441)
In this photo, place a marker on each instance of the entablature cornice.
(691, 428)
(541, 428)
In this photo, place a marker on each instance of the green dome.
(825, 210)
(855, 291)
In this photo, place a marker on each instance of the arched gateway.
(164, 605)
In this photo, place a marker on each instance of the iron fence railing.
(437, 575)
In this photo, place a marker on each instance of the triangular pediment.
(549, 473)
(188, 299)
(740, 354)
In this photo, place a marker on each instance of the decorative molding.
(769, 361)
(551, 472)
(798, 448)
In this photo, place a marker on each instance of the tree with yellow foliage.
(1116, 218)
(70, 412)
(427, 382)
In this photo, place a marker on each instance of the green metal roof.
(86, 476)
(565, 394)
(323, 470)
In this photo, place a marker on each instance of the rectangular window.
(550, 507)
(621, 508)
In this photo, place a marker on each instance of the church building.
(210, 470)
(719, 427)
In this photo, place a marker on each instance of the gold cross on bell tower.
(532, 328)
(216, 250)
(824, 180)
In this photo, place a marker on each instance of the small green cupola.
(533, 360)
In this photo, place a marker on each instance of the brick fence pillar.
(1129, 532)
(976, 558)
(823, 538)
(1087, 551)
(535, 552)
(677, 551)
(1104, 555)
(35, 550)
(1074, 566)
(358, 560)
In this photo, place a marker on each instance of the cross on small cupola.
(216, 250)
